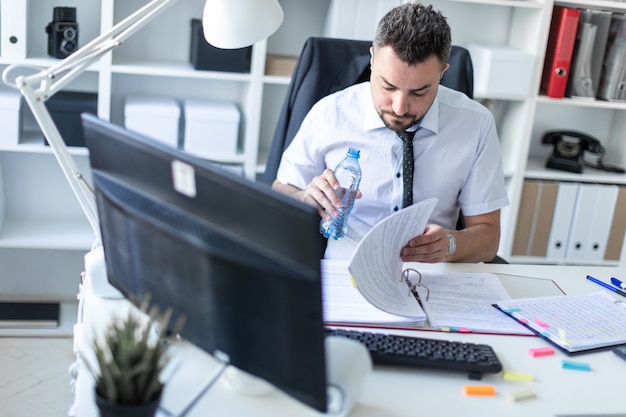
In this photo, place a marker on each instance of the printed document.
(376, 265)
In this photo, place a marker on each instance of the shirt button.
(398, 175)
(395, 208)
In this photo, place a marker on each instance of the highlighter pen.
(607, 286)
(618, 283)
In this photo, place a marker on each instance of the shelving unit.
(42, 219)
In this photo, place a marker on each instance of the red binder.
(559, 51)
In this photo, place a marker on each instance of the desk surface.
(395, 392)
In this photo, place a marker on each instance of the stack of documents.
(374, 289)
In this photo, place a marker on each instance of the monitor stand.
(348, 364)
(198, 381)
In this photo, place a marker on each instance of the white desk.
(396, 392)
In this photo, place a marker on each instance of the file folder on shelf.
(603, 211)
(591, 38)
(528, 203)
(580, 82)
(560, 48)
(544, 217)
(535, 218)
(13, 28)
(615, 241)
(613, 79)
(581, 221)
(562, 220)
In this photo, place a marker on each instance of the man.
(456, 153)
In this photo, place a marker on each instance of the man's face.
(402, 93)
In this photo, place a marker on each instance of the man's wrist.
(451, 244)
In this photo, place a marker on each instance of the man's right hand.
(320, 193)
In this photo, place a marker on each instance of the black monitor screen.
(241, 261)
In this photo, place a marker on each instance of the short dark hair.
(415, 32)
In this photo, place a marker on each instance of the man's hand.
(430, 247)
(477, 242)
(320, 193)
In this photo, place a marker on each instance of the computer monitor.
(240, 260)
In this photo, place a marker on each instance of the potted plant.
(130, 358)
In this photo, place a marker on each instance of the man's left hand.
(430, 247)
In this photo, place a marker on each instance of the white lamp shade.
(232, 24)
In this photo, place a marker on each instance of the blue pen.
(618, 283)
(607, 286)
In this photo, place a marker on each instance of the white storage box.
(9, 118)
(501, 70)
(211, 128)
(153, 116)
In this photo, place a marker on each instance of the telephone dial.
(568, 151)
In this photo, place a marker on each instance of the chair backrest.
(327, 65)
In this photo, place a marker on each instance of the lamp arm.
(39, 87)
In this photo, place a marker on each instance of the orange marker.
(479, 390)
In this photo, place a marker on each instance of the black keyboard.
(476, 359)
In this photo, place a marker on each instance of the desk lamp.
(228, 24)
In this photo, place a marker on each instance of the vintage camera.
(62, 32)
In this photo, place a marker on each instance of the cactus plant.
(131, 356)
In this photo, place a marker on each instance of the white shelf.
(177, 70)
(51, 234)
(582, 102)
(535, 169)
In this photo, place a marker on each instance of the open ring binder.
(413, 286)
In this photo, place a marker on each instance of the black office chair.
(327, 65)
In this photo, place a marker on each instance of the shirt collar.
(430, 121)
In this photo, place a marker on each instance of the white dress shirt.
(456, 150)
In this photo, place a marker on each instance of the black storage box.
(65, 107)
(204, 56)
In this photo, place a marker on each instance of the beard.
(395, 122)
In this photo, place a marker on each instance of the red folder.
(559, 51)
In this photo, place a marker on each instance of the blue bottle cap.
(354, 153)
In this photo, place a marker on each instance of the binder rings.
(13, 28)
(559, 51)
(613, 78)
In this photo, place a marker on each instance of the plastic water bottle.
(348, 173)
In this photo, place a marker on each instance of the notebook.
(575, 323)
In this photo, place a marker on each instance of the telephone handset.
(569, 148)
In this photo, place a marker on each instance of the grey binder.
(613, 79)
(589, 53)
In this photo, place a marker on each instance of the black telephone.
(568, 151)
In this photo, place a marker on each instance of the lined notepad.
(574, 323)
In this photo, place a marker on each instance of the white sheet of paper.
(376, 265)
(463, 301)
(344, 304)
